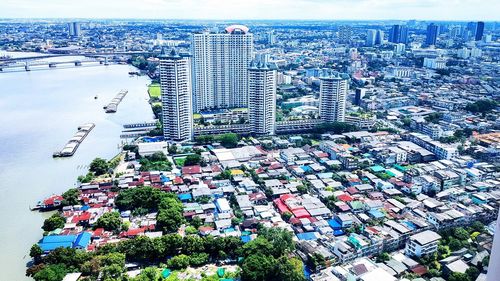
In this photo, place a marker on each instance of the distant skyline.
(459, 10)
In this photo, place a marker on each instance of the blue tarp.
(410, 225)
(334, 224)
(376, 214)
(307, 236)
(245, 238)
(185, 196)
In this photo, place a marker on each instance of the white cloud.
(255, 9)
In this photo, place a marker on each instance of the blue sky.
(487, 10)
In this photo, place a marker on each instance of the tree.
(36, 253)
(170, 214)
(286, 216)
(198, 259)
(70, 197)
(99, 166)
(258, 267)
(481, 106)
(53, 272)
(178, 262)
(172, 149)
(290, 269)
(192, 159)
(228, 140)
(383, 257)
(54, 222)
(472, 272)
(110, 221)
(461, 234)
(457, 276)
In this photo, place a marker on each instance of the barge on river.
(113, 105)
(72, 145)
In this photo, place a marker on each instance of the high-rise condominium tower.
(220, 68)
(345, 33)
(176, 95)
(432, 33)
(262, 97)
(398, 34)
(332, 96)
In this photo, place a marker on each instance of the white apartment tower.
(262, 97)
(176, 95)
(332, 96)
(220, 68)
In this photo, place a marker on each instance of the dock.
(72, 145)
(113, 105)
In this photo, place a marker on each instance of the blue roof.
(410, 225)
(245, 238)
(85, 207)
(58, 239)
(334, 224)
(338, 232)
(306, 168)
(83, 240)
(307, 236)
(52, 246)
(376, 214)
(377, 168)
(185, 196)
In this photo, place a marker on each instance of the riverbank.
(59, 101)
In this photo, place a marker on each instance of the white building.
(435, 63)
(262, 97)
(220, 68)
(176, 95)
(423, 243)
(332, 96)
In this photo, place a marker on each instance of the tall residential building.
(74, 29)
(345, 33)
(332, 96)
(176, 95)
(398, 34)
(371, 37)
(220, 68)
(379, 39)
(262, 97)
(271, 38)
(432, 33)
(479, 30)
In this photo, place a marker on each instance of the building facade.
(262, 97)
(332, 96)
(220, 68)
(432, 33)
(176, 97)
(398, 34)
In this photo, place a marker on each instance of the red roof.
(352, 190)
(216, 169)
(85, 216)
(52, 199)
(300, 213)
(190, 170)
(281, 206)
(133, 232)
(344, 198)
(286, 197)
(178, 180)
(98, 232)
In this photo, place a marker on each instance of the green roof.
(377, 168)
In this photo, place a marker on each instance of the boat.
(72, 145)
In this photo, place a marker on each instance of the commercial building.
(220, 68)
(262, 97)
(176, 96)
(374, 37)
(423, 243)
(479, 30)
(332, 96)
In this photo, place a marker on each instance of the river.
(40, 111)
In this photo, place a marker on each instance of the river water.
(40, 111)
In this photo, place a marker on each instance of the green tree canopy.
(110, 221)
(54, 222)
(99, 166)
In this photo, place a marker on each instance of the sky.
(486, 10)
